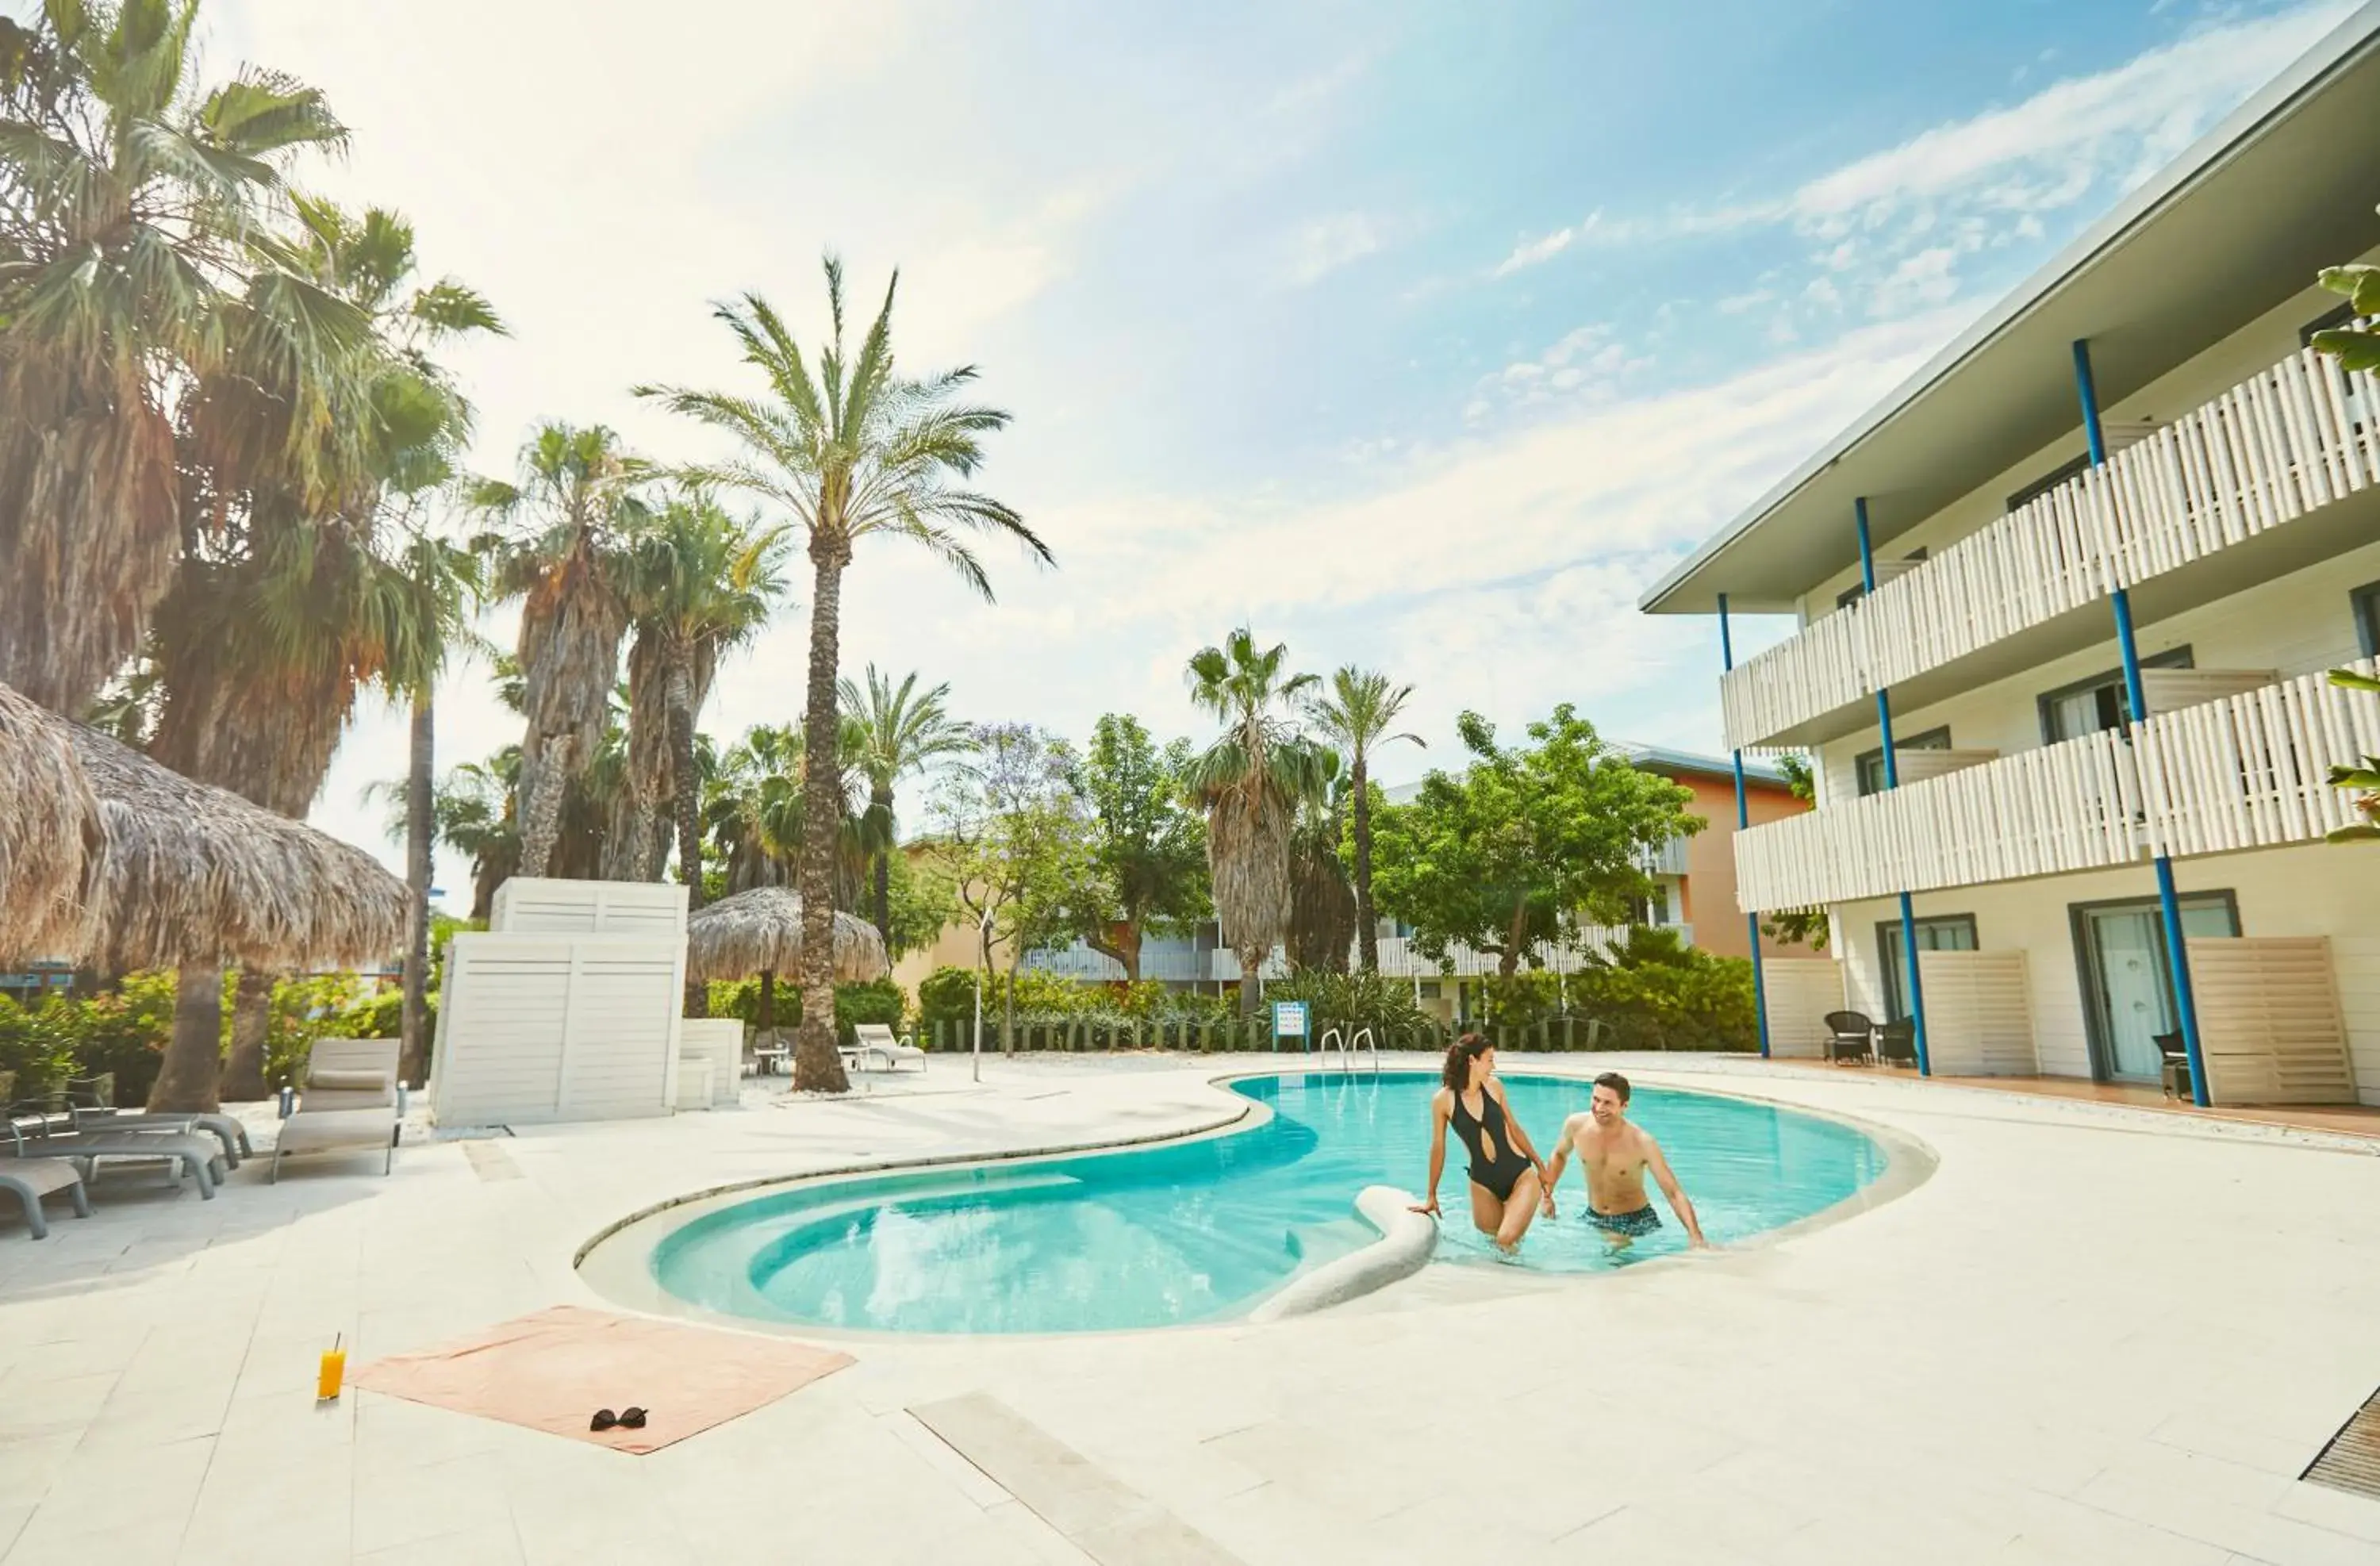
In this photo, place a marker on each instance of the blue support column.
(2185, 999)
(1744, 820)
(1892, 781)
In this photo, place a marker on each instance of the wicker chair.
(2177, 1065)
(1853, 1037)
(1896, 1043)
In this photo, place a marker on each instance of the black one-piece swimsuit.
(1499, 1175)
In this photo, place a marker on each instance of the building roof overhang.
(2231, 229)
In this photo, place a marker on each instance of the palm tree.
(1251, 782)
(901, 731)
(849, 450)
(753, 810)
(135, 260)
(697, 583)
(565, 556)
(1355, 715)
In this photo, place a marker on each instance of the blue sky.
(1423, 336)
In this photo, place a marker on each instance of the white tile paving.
(2093, 1335)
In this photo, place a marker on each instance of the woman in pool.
(1508, 1183)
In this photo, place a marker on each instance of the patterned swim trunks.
(1644, 1220)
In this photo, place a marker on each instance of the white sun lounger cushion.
(347, 1081)
(319, 1130)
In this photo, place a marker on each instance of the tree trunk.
(542, 811)
(1249, 963)
(1120, 941)
(413, 1052)
(686, 807)
(882, 801)
(251, 1021)
(187, 1081)
(1008, 1010)
(816, 1067)
(766, 1020)
(1508, 961)
(1367, 939)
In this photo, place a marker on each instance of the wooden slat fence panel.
(1978, 1014)
(2269, 1020)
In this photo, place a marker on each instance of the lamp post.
(984, 929)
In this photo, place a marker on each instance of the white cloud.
(1531, 252)
(1326, 244)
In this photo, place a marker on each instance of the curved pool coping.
(624, 1276)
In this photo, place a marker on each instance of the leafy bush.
(1358, 1001)
(1700, 1002)
(36, 1046)
(877, 1001)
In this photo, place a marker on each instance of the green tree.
(902, 731)
(563, 553)
(2365, 779)
(697, 583)
(1012, 824)
(2355, 347)
(138, 258)
(1148, 845)
(1251, 782)
(848, 449)
(1356, 714)
(1499, 857)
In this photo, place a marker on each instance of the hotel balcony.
(2277, 474)
(2245, 770)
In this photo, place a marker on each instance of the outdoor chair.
(90, 1111)
(30, 1178)
(42, 1135)
(1851, 1038)
(351, 1101)
(874, 1040)
(1896, 1043)
(2177, 1065)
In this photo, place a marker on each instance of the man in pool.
(1613, 1156)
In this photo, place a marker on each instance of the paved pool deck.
(2093, 1334)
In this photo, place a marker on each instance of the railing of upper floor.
(2287, 440)
(2247, 771)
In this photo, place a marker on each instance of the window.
(2365, 601)
(2049, 481)
(2088, 706)
(1870, 765)
(1942, 932)
(2343, 316)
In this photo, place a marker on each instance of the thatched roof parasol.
(52, 843)
(760, 931)
(197, 874)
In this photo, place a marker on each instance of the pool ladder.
(1335, 1038)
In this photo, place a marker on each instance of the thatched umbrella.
(759, 931)
(53, 842)
(199, 875)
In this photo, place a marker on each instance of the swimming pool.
(1203, 1229)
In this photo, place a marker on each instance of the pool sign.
(1288, 1020)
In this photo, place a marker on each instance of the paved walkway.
(2094, 1334)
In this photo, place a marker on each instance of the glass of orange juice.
(334, 1371)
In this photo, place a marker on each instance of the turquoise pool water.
(1203, 1229)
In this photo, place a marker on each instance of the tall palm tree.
(1355, 714)
(1251, 782)
(849, 450)
(305, 591)
(902, 731)
(697, 583)
(136, 260)
(564, 556)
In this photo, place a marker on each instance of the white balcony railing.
(2243, 771)
(2287, 440)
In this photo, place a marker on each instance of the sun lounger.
(32, 1179)
(351, 1101)
(875, 1041)
(200, 1157)
(89, 1115)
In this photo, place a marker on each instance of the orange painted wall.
(1711, 862)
